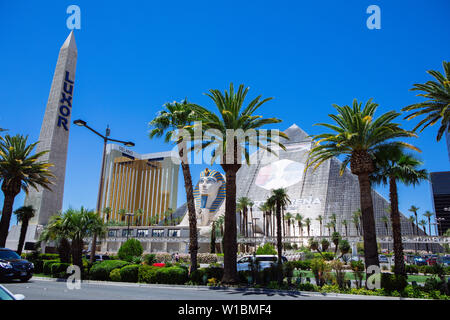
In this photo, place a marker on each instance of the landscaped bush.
(101, 271)
(130, 249)
(129, 273)
(48, 256)
(47, 264)
(307, 287)
(412, 268)
(149, 259)
(115, 275)
(302, 264)
(267, 248)
(58, 269)
(201, 275)
(165, 275)
(392, 282)
(426, 269)
(206, 258)
(163, 257)
(320, 270)
(328, 256)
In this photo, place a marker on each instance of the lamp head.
(129, 144)
(80, 123)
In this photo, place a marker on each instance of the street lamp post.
(128, 216)
(105, 138)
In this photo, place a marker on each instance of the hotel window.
(141, 233)
(130, 234)
(112, 233)
(158, 233)
(174, 233)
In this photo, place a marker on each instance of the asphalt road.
(39, 289)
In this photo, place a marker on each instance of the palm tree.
(355, 219)
(122, 213)
(329, 225)
(423, 224)
(320, 219)
(242, 204)
(138, 215)
(19, 170)
(264, 208)
(358, 136)
(385, 220)
(272, 205)
(428, 215)
(176, 117)
(24, 214)
(308, 225)
(57, 231)
(230, 149)
(436, 106)
(281, 199)
(333, 218)
(107, 212)
(80, 224)
(288, 218)
(345, 224)
(414, 210)
(299, 219)
(392, 165)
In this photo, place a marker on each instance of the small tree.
(336, 238)
(130, 249)
(24, 214)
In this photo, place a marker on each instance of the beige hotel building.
(134, 181)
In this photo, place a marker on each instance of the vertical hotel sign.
(65, 102)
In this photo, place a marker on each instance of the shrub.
(391, 282)
(307, 287)
(130, 249)
(412, 268)
(58, 269)
(101, 271)
(303, 264)
(163, 257)
(48, 256)
(206, 258)
(328, 256)
(129, 273)
(267, 248)
(320, 270)
(201, 275)
(46, 266)
(149, 259)
(115, 275)
(166, 275)
(358, 269)
(426, 269)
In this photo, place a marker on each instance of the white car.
(5, 294)
(264, 261)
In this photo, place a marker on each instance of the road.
(40, 289)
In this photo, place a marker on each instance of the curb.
(255, 290)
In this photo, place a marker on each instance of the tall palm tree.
(243, 204)
(333, 219)
(138, 213)
(122, 213)
(437, 104)
(19, 170)
(423, 224)
(107, 213)
(288, 218)
(358, 134)
(281, 199)
(393, 164)
(414, 210)
(385, 220)
(345, 224)
(170, 121)
(299, 219)
(23, 214)
(329, 225)
(264, 208)
(230, 149)
(355, 219)
(428, 215)
(320, 219)
(272, 205)
(308, 225)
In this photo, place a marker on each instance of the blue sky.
(135, 56)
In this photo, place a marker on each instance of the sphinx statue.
(209, 195)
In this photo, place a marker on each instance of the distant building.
(133, 181)
(440, 187)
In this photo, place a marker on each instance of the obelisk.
(54, 135)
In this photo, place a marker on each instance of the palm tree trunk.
(193, 241)
(64, 250)
(279, 243)
(369, 235)
(6, 216)
(230, 243)
(23, 232)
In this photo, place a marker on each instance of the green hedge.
(101, 271)
(165, 275)
(129, 273)
(47, 264)
(201, 275)
(115, 275)
(58, 269)
(391, 282)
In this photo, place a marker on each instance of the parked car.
(420, 261)
(5, 294)
(383, 259)
(431, 261)
(445, 260)
(98, 257)
(12, 266)
(264, 262)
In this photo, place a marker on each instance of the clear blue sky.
(135, 56)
